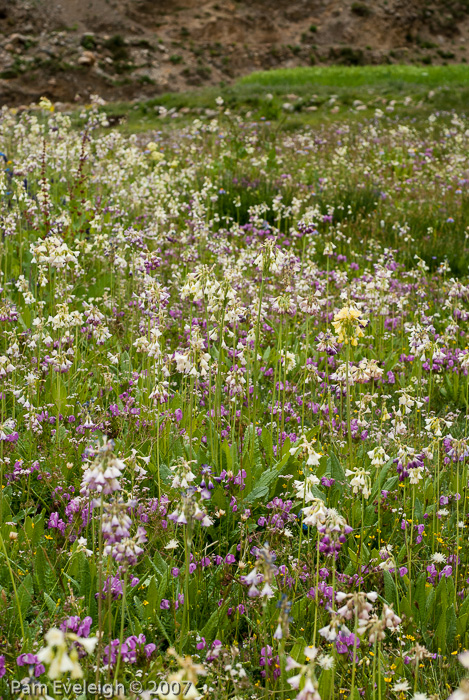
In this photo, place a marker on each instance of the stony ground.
(131, 49)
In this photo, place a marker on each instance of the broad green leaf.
(389, 589)
(25, 594)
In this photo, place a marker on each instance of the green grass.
(263, 95)
(358, 76)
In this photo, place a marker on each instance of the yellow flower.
(348, 325)
(46, 104)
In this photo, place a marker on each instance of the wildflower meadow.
(234, 407)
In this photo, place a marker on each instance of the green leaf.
(262, 487)
(25, 594)
(59, 393)
(450, 626)
(389, 588)
(430, 603)
(405, 608)
(465, 606)
(160, 564)
(298, 608)
(336, 470)
(298, 649)
(370, 515)
(228, 455)
(418, 510)
(440, 636)
(163, 585)
(210, 628)
(140, 609)
(40, 568)
(429, 492)
(421, 598)
(442, 593)
(51, 606)
(461, 624)
(378, 485)
(84, 575)
(266, 438)
(326, 681)
(152, 596)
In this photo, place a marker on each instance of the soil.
(137, 49)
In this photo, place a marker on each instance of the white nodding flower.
(267, 591)
(401, 686)
(463, 658)
(278, 634)
(315, 514)
(326, 662)
(305, 450)
(310, 652)
(57, 656)
(88, 643)
(291, 664)
(294, 681)
(378, 456)
(360, 481)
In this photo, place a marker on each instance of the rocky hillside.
(130, 49)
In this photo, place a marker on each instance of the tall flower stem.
(186, 612)
(255, 384)
(15, 591)
(121, 635)
(349, 430)
(100, 588)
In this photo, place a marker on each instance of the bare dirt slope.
(130, 49)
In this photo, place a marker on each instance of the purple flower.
(26, 659)
(80, 627)
(446, 571)
(347, 644)
(30, 660)
(149, 649)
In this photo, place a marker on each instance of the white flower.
(315, 513)
(307, 447)
(464, 659)
(55, 637)
(378, 456)
(56, 655)
(303, 488)
(88, 644)
(401, 686)
(291, 663)
(81, 547)
(326, 662)
(311, 652)
(438, 558)
(360, 482)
